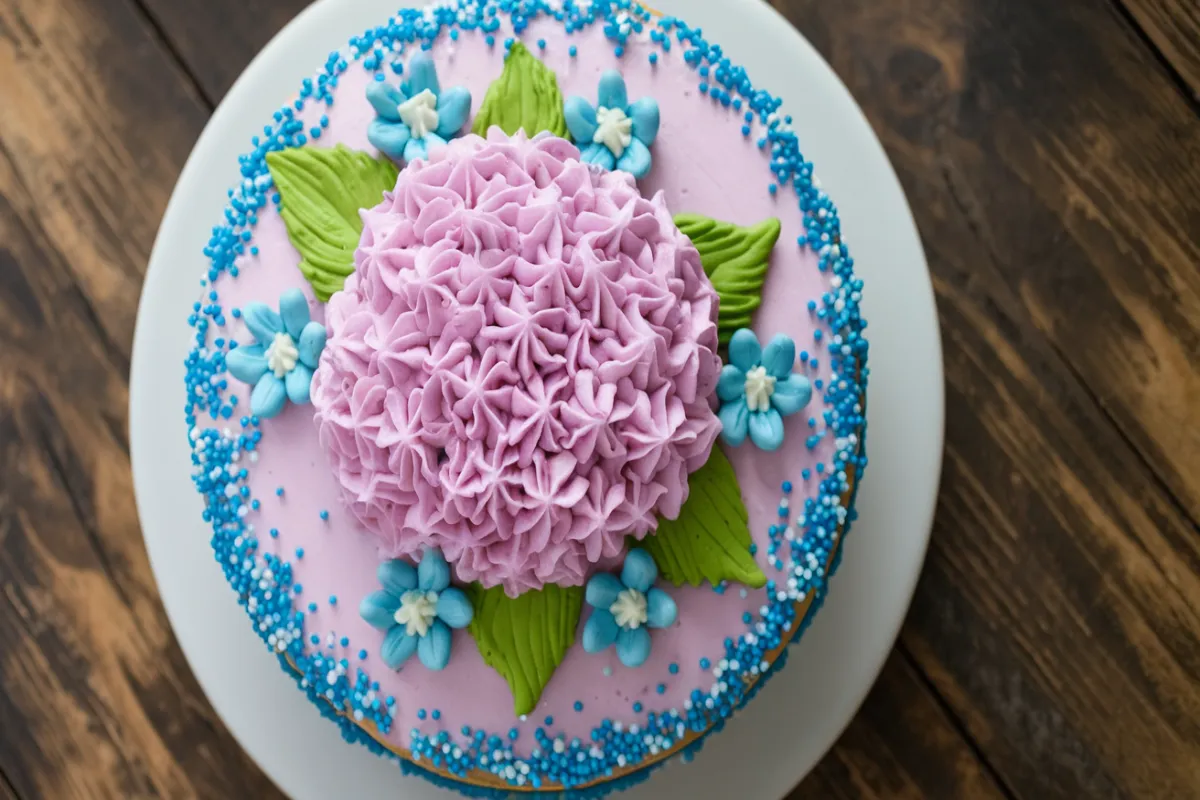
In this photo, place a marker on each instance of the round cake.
(527, 391)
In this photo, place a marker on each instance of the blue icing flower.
(616, 133)
(626, 608)
(418, 115)
(757, 390)
(416, 609)
(280, 365)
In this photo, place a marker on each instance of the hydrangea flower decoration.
(418, 115)
(615, 133)
(757, 390)
(531, 418)
(280, 365)
(417, 608)
(626, 608)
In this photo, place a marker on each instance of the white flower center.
(282, 355)
(759, 388)
(419, 113)
(614, 129)
(417, 611)
(629, 609)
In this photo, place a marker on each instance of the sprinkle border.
(263, 582)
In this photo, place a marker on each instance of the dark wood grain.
(1174, 28)
(1068, 174)
(7, 792)
(216, 41)
(1053, 163)
(901, 745)
(1051, 168)
(97, 699)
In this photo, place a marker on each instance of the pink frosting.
(519, 370)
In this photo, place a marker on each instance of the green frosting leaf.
(525, 638)
(525, 96)
(710, 541)
(736, 261)
(321, 191)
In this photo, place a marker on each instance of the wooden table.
(1051, 152)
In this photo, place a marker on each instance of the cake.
(527, 391)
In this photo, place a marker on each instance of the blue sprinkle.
(578, 705)
(437, 714)
(787, 487)
(312, 607)
(572, 51)
(619, 51)
(705, 663)
(345, 641)
(420, 713)
(653, 58)
(279, 492)
(637, 708)
(541, 44)
(661, 688)
(362, 655)
(299, 552)
(549, 721)
(333, 599)
(673, 668)
(324, 514)
(513, 733)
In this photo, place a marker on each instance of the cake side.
(300, 562)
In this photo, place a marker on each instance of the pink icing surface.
(518, 371)
(702, 164)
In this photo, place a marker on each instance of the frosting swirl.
(519, 370)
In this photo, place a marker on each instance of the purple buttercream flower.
(519, 370)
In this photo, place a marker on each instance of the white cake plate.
(767, 748)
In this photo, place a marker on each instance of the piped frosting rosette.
(519, 371)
